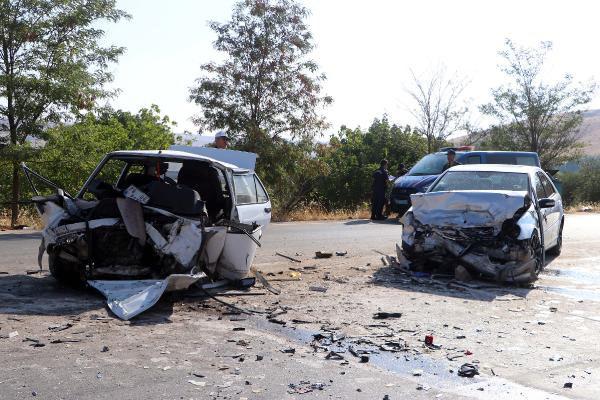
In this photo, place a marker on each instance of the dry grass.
(583, 207)
(317, 213)
(27, 218)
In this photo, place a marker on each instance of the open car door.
(252, 202)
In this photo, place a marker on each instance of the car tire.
(556, 250)
(537, 250)
(67, 273)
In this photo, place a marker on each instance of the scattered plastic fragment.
(468, 370)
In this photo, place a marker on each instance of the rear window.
(511, 159)
(476, 159)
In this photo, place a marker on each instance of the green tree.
(72, 151)
(532, 114)
(266, 85)
(353, 155)
(51, 65)
(582, 186)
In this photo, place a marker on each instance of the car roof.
(503, 152)
(178, 155)
(525, 169)
(517, 153)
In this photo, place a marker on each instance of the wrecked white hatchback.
(494, 221)
(149, 221)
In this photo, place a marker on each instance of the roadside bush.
(353, 155)
(582, 186)
(72, 151)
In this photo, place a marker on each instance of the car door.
(553, 214)
(251, 199)
(541, 194)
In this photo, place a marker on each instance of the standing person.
(380, 181)
(451, 155)
(401, 170)
(221, 140)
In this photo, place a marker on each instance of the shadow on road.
(391, 277)
(7, 237)
(35, 295)
(43, 295)
(389, 221)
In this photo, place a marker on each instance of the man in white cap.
(221, 140)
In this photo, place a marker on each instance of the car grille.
(471, 234)
(404, 191)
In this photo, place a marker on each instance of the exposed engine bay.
(487, 234)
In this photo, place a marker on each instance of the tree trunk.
(15, 194)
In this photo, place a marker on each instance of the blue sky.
(366, 49)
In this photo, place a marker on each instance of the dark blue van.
(424, 172)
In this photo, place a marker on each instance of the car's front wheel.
(65, 272)
(537, 251)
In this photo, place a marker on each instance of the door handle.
(267, 209)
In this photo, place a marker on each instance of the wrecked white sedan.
(495, 221)
(149, 221)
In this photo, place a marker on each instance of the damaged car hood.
(467, 208)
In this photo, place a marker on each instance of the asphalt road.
(20, 249)
(527, 342)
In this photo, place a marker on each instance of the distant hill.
(590, 133)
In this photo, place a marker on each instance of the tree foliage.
(51, 64)
(353, 155)
(582, 186)
(266, 82)
(533, 114)
(73, 151)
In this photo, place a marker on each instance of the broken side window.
(109, 174)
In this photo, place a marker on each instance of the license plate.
(403, 202)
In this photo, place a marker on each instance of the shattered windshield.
(431, 164)
(482, 180)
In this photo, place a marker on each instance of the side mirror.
(546, 203)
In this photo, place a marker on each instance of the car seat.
(204, 179)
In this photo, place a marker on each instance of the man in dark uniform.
(451, 154)
(401, 170)
(380, 181)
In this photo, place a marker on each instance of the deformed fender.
(408, 228)
(528, 224)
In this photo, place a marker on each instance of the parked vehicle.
(497, 221)
(424, 172)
